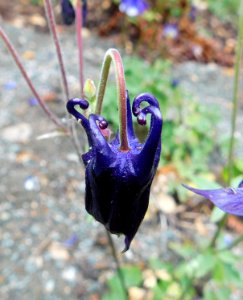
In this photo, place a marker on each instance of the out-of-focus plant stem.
(21, 67)
(117, 262)
(239, 48)
(79, 26)
(233, 244)
(52, 25)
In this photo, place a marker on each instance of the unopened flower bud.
(89, 90)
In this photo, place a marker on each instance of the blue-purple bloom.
(193, 13)
(170, 31)
(133, 8)
(230, 200)
(118, 182)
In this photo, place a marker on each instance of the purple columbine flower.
(133, 8)
(118, 182)
(68, 11)
(230, 200)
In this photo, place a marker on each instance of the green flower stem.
(118, 265)
(21, 67)
(114, 56)
(233, 244)
(239, 49)
(79, 25)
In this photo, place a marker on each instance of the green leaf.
(214, 292)
(197, 267)
(132, 276)
(185, 251)
(116, 290)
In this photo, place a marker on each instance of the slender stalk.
(21, 67)
(52, 26)
(118, 266)
(114, 56)
(239, 48)
(233, 244)
(79, 24)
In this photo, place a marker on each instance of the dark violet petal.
(130, 130)
(98, 141)
(118, 182)
(152, 147)
(230, 200)
(83, 104)
(68, 12)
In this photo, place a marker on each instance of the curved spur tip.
(127, 242)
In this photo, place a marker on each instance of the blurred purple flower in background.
(175, 82)
(68, 12)
(193, 13)
(230, 200)
(170, 31)
(133, 8)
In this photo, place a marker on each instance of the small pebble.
(32, 183)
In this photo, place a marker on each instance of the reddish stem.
(79, 25)
(15, 55)
(114, 55)
(52, 26)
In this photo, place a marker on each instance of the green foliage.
(132, 277)
(36, 2)
(224, 9)
(212, 272)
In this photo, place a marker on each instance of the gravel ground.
(212, 85)
(50, 248)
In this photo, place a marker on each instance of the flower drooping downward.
(119, 172)
(230, 200)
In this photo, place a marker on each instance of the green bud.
(89, 90)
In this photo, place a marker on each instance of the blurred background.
(181, 51)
